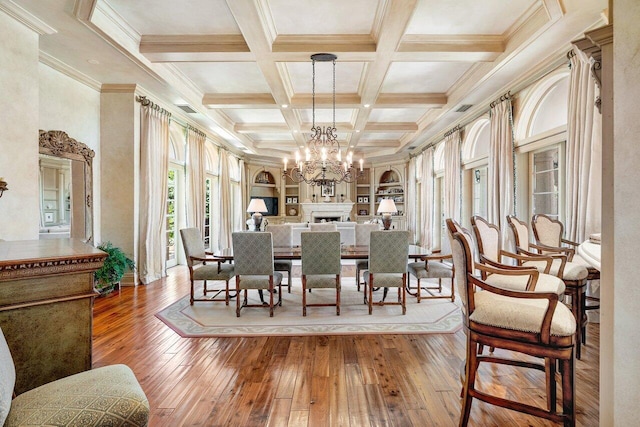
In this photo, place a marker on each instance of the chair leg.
(338, 295)
(550, 374)
(404, 297)
(271, 297)
(238, 296)
(192, 297)
(419, 288)
(568, 391)
(304, 295)
(358, 277)
(226, 293)
(289, 281)
(370, 294)
(469, 381)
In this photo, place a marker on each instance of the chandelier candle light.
(323, 164)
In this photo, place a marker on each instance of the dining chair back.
(323, 226)
(204, 267)
(388, 255)
(363, 233)
(282, 235)
(253, 259)
(320, 254)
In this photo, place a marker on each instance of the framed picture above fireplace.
(328, 190)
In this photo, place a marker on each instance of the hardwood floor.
(399, 380)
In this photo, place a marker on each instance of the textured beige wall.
(626, 221)
(68, 105)
(120, 158)
(19, 217)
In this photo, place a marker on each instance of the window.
(171, 215)
(480, 192)
(545, 183)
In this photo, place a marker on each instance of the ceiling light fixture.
(323, 163)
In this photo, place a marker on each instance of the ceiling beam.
(261, 127)
(391, 127)
(185, 47)
(410, 100)
(343, 100)
(373, 143)
(239, 100)
(324, 43)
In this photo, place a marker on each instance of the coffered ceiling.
(404, 66)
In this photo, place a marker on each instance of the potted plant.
(108, 277)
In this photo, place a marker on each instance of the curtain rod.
(452, 130)
(148, 103)
(502, 98)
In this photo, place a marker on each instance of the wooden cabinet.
(46, 302)
(363, 197)
(292, 199)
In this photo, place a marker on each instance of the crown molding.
(69, 71)
(26, 18)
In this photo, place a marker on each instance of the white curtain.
(196, 179)
(240, 205)
(226, 205)
(154, 166)
(500, 180)
(584, 153)
(426, 209)
(410, 200)
(452, 170)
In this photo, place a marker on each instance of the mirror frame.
(57, 143)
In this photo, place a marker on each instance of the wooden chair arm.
(496, 264)
(207, 259)
(545, 330)
(517, 271)
(532, 257)
(555, 250)
(569, 242)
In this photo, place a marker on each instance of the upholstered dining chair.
(320, 253)
(549, 232)
(574, 275)
(253, 260)
(532, 323)
(363, 233)
(107, 396)
(282, 235)
(323, 226)
(203, 266)
(388, 255)
(431, 267)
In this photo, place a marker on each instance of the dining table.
(346, 252)
(589, 250)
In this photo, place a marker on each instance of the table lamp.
(257, 206)
(386, 208)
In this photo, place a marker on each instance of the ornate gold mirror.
(66, 187)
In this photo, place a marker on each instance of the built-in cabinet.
(376, 183)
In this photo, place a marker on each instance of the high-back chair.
(107, 396)
(282, 235)
(549, 232)
(203, 266)
(532, 323)
(431, 267)
(320, 253)
(388, 255)
(363, 233)
(323, 226)
(573, 274)
(253, 259)
(488, 239)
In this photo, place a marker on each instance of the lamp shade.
(257, 205)
(387, 206)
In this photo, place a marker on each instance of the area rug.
(215, 319)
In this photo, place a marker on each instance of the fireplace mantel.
(310, 211)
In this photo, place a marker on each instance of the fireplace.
(316, 212)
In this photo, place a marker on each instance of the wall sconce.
(3, 186)
(477, 174)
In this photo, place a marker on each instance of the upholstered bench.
(108, 396)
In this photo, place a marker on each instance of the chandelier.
(323, 163)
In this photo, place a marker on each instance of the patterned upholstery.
(282, 235)
(323, 226)
(388, 254)
(108, 396)
(363, 232)
(321, 266)
(198, 270)
(253, 257)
